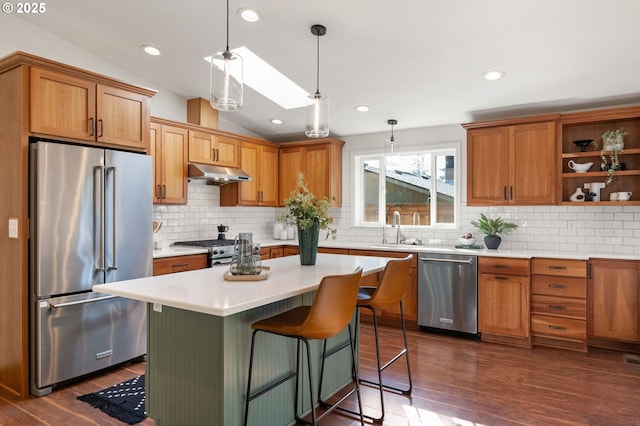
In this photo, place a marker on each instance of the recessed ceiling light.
(154, 51)
(493, 75)
(268, 81)
(362, 108)
(249, 15)
(276, 121)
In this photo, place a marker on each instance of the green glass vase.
(308, 241)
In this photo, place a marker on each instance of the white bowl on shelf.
(466, 241)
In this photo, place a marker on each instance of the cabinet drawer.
(559, 267)
(559, 286)
(503, 266)
(576, 308)
(169, 265)
(559, 327)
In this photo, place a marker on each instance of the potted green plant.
(612, 143)
(310, 214)
(491, 227)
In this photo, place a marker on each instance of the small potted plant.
(491, 228)
(612, 143)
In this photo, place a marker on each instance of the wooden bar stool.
(331, 311)
(389, 291)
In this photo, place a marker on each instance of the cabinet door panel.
(290, 164)
(174, 165)
(503, 305)
(62, 105)
(532, 164)
(269, 175)
(248, 191)
(487, 166)
(227, 151)
(123, 118)
(201, 147)
(614, 300)
(316, 162)
(155, 139)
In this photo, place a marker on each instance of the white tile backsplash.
(580, 228)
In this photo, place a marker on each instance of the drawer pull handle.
(179, 265)
(557, 307)
(557, 286)
(502, 278)
(557, 267)
(503, 266)
(557, 327)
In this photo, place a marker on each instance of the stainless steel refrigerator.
(90, 223)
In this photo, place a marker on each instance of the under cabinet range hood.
(217, 175)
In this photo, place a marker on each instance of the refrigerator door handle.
(80, 302)
(100, 209)
(114, 218)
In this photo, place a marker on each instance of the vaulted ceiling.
(418, 61)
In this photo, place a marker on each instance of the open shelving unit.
(590, 125)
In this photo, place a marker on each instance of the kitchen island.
(199, 334)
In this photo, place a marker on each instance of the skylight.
(268, 81)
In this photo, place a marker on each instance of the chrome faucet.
(396, 222)
(414, 217)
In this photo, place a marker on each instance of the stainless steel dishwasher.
(448, 293)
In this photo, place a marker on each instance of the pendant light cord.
(317, 64)
(227, 26)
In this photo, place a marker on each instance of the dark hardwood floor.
(456, 382)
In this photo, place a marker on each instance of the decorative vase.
(277, 229)
(492, 241)
(291, 232)
(308, 242)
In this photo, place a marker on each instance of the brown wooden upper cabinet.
(209, 148)
(169, 148)
(260, 161)
(512, 162)
(321, 163)
(72, 107)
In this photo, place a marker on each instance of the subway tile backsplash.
(580, 228)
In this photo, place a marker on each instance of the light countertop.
(178, 251)
(450, 249)
(206, 290)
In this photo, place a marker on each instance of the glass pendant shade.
(317, 116)
(226, 81)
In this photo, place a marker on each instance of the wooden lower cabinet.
(391, 315)
(503, 300)
(169, 265)
(559, 303)
(614, 304)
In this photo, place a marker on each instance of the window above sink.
(421, 184)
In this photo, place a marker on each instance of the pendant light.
(226, 78)
(392, 141)
(317, 109)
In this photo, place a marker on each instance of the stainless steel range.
(221, 252)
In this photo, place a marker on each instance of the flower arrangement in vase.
(310, 214)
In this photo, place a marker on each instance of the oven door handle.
(434, 259)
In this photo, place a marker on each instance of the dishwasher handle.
(435, 259)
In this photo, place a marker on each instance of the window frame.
(432, 149)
